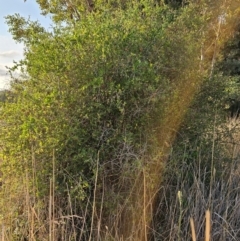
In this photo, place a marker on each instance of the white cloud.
(4, 77)
(9, 51)
(3, 70)
(7, 43)
(10, 54)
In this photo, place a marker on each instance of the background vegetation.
(118, 127)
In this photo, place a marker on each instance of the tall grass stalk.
(94, 199)
(208, 226)
(193, 229)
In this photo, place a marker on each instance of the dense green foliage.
(83, 108)
(86, 97)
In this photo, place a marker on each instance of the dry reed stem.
(193, 230)
(208, 226)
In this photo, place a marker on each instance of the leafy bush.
(86, 97)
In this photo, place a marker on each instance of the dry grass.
(188, 190)
(201, 190)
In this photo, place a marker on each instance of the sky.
(10, 50)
